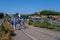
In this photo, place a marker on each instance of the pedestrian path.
(21, 36)
(33, 33)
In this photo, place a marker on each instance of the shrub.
(57, 28)
(5, 31)
(45, 24)
(51, 27)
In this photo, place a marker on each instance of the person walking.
(12, 21)
(14, 24)
(21, 22)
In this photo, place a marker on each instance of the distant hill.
(45, 12)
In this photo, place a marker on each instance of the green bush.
(51, 27)
(45, 24)
(36, 24)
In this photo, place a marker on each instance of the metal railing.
(1, 22)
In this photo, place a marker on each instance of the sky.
(28, 6)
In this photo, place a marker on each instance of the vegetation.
(5, 31)
(45, 24)
(45, 12)
(16, 15)
(49, 12)
(1, 15)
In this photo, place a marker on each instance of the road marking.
(33, 38)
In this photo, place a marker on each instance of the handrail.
(2, 22)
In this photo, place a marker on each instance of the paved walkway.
(33, 33)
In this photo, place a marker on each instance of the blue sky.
(28, 6)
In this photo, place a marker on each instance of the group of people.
(15, 21)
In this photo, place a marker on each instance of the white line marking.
(33, 38)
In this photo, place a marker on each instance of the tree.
(1, 15)
(17, 14)
(6, 14)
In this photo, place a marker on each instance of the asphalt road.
(33, 33)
